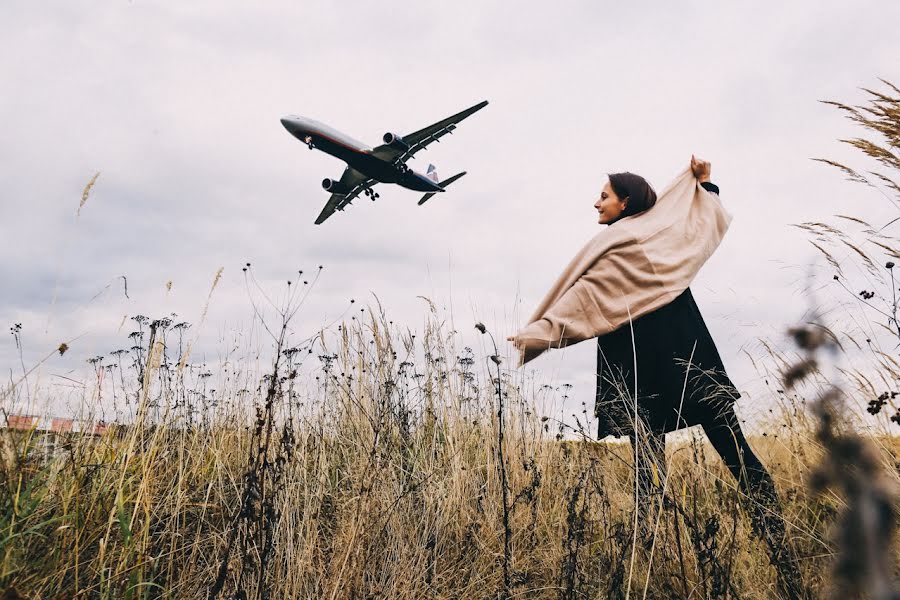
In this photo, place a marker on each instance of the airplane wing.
(353, 179)
(422, 138)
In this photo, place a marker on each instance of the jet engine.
(392, 139)
(334, 187)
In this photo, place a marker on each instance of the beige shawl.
(629, 269)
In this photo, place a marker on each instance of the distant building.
(48, 433)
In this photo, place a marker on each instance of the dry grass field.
(383, 479)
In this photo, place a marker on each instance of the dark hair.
(640, 195)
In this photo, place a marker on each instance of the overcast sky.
(177, 105)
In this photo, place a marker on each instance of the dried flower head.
(807, 337)
(798, 372)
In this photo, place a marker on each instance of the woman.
(663, 343)
(681, 382)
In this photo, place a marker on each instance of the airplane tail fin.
(443, 184)
(432, 174)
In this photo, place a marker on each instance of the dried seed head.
(798, 372)
(480, 327)
(808, 338)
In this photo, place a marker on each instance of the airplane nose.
(286, 121)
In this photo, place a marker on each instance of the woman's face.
(609, 205)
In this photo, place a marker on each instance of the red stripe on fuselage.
(369, 165)
(361, 160)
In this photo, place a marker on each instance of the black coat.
(663, 341)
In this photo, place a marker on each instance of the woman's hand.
(515, 342)
(701, 168)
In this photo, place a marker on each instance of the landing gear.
(372, 194)
(309, 142)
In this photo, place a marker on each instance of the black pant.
(759, 495)
(725, 435)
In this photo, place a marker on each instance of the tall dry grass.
(380, 478)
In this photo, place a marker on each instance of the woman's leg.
(725, 434)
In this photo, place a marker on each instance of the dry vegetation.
(379, 463)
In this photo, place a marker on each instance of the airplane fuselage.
(356, 154)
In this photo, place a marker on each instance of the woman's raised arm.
(702, 170)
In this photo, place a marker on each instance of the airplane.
(368, 166)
